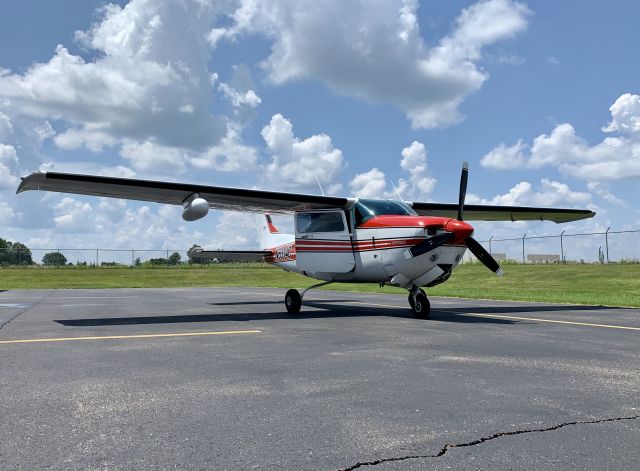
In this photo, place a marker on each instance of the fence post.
(606, 241)
(132, 255)
(490, 239)
(561, 248)
(167, 259)
(97, 256)
(523, 237)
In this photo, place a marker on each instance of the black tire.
(422, 306)
(411, 303)
(293, 301)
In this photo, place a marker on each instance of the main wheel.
(293, 301)
(411, 303)
(421, 306)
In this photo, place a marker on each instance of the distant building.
(499, 256)
(543, 258)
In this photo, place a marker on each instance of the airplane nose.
(460, 229)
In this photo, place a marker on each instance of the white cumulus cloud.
(420, 183)
(505, 157)
(616, 157)
(8, 159)
(296, 163)
(6, 213)
(374, 50)
(145, 79)
(549, 193)
(417, 185)
(371, 184)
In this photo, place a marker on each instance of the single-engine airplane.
(407, 244)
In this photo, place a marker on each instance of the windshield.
(366, 209)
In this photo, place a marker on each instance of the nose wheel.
(419, 303)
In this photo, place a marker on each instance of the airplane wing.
(234, 199)
(238, 255)
(478, 212)
(239, 199)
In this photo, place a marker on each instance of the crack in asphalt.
(449, 446)
(27, 308)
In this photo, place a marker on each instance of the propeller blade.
(485, 257)
(431, 243)
(463, 188)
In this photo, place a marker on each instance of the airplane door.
(323, 242)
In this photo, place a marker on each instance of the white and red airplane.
(407, 244)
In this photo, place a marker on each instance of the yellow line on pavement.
(141, 336)
(552, 321)
(91, 297)
(498, 316)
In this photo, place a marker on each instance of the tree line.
(14, 253)
(18, 254)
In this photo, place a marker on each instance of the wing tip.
(30, 182)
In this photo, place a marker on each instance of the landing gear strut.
(293, 298)
(419, 303)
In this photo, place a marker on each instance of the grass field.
(611, 285)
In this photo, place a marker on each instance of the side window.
(320, 222)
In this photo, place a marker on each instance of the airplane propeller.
(463, 189)
(473, 245)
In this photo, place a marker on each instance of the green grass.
(611, 285)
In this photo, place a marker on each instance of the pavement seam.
(450, 446)
(36, 304)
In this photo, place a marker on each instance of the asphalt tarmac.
(225, 379)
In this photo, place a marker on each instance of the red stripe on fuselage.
(306, 245)
(393, 221)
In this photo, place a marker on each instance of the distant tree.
(192, 258)
(22, 254)
(54, 259)
(137, 262)
(14, 253)
(174, 258)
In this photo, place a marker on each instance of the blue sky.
(540, 97)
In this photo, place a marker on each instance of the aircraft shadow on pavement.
(520, 308)
(327, 310)
(280, 301)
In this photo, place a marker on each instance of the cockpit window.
(366, 209)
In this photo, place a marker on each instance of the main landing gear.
(419, 303)
(293, 298)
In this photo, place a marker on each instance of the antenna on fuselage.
(397, 192)
(321, 190)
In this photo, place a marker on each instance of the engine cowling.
(195, 209)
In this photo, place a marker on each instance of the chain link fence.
(104, 258)
(603, 247)
(589, 247)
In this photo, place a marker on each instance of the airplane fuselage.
(379, 252)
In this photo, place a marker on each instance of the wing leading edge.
(240, 199)
(478, 212)
(234, 199)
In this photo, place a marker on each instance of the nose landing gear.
(419, 303)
